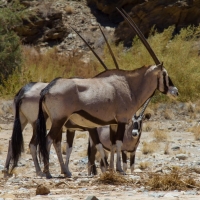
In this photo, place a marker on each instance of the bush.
(10, 51)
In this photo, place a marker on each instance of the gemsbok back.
(110, 98)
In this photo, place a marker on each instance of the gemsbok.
(131, 141)
(110, 98)
(26, 110)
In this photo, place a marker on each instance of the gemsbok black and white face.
(165, 84)
(137, 125)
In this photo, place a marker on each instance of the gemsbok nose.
(135, 132)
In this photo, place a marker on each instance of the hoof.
(48, 176)
(6, 174)
(68, 174)
(121, 172)
(40, 174)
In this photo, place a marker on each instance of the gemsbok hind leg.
(113, 130)
(95, 139)
(33, 150)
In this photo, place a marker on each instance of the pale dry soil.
(23, 184)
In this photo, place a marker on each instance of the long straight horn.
(110, 50)
(145, 106)
(102, 63)
(140, 35)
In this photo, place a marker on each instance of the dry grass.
(18, 171)
(64, 148)
(168, 114)
(82, 154)
(160, 135)
(69, 10)
(196, 132)
(147, 127)
(113, 178)
(81, 135)
(46, 67)
(149, 148)
(166, 149)
(175, 180)
(143, 165)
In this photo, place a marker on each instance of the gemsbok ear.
(147, 116)
(160, 66)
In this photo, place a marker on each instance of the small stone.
(157, 195)
(191, 192)
(42, 190)
(135, 178)
(91, 198)
(137, 170)
(175, 148)
(181, 156)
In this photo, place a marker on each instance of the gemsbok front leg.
(124, 159)
(70, 138)
(132, 161)
(119, 143)
(55, 136)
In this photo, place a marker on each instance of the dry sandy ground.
(177, 141)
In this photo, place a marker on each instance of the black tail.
(41, 132)
(17, 142)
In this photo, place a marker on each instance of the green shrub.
(10, 51)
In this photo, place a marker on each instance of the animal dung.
(42, 190)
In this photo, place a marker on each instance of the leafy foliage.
(10, 51)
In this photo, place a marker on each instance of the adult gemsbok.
(26, 110)
(110, 98)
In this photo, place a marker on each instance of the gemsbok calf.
(131, 141)
(110, 98)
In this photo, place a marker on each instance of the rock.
(91, 198)
(145, 15)
(42, 190)
(42, 27)
(171, 194)
(175, 148)
(137, 170)
(135, 178)
(181, 156)
(191, 192)
(157, 195)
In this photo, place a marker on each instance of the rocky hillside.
(51, 24)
